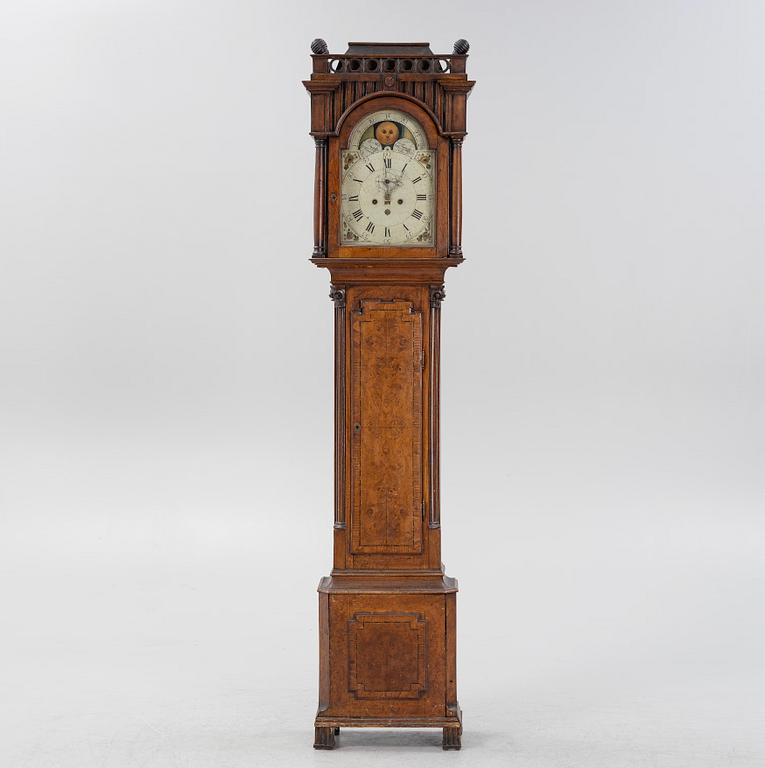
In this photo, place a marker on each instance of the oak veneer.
(387, 612)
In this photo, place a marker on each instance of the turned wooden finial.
(319, 46)
(461, 47)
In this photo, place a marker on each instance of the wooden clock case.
(387, 612)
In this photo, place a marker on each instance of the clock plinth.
(387, 650)
(388, 120)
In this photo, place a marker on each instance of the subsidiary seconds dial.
(387, 199)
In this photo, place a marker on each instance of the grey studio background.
(166, 385)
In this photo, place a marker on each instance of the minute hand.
(396, 182)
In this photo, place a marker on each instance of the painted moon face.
(387, 133)
(405, 146)
(369, 147)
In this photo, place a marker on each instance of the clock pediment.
(389, 49)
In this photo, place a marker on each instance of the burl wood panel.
(387, 655)
(399, 673)
(386, 427)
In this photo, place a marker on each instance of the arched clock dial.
(388, 184)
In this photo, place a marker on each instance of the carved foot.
(324, 738)
(452, 738)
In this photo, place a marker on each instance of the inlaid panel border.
(417, 624)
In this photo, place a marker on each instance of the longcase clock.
(388, 120)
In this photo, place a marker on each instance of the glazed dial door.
(388, 183)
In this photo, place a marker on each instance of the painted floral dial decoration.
(388, 182)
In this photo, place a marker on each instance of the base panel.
(387, 656)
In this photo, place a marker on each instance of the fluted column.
(437, 294)
(320, 200)
(338, 296)
(455, 236)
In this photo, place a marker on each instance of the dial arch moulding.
(373, 97)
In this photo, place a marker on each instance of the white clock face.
(388, 183)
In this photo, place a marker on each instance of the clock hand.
(395, 184)
(386, 186)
